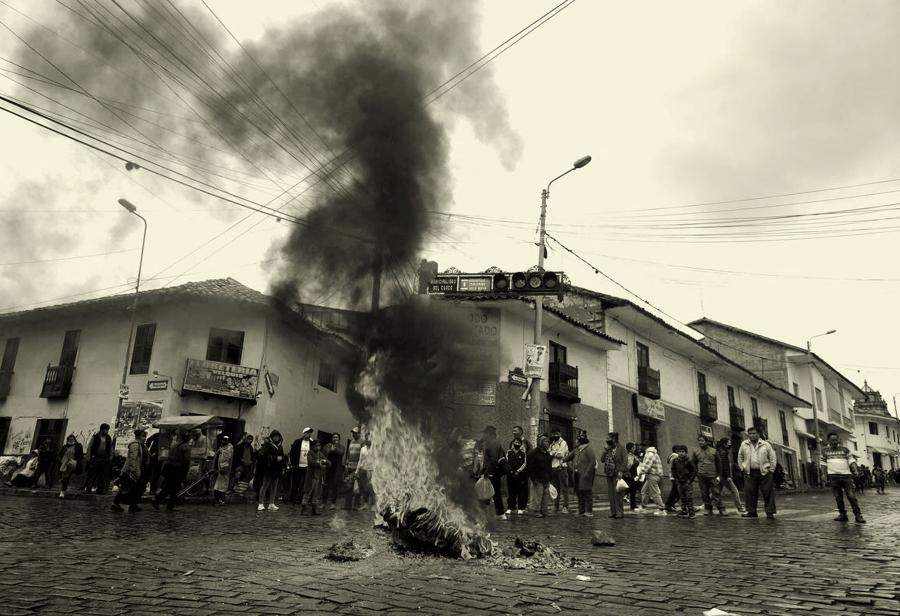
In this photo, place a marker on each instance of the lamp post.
(812, 394)
(132, 210)
(539, 301)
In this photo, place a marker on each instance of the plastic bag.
(621, 486)
(483, 489)
(554, 494)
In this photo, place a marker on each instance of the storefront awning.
(188, 422)
(883, 450)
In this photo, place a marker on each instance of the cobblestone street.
(76, 557)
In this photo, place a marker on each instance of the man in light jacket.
(559, 449)
(756, 458)
(651, 468)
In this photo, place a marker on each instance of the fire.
(410, 491)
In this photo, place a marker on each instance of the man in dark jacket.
(726, 468)
(540, 469)
(709, 474)
(584, 461)
(684, 472)
(495, 466)
(270, 466)
(174, 471)
(244, 458)
(99, 460)
(615, 461)
(132, 480)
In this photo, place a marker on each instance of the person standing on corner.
(584, 461)
(841, 469)
(756, 458)
(351, 463)
(494, 461)
(614, 463)
(222, 462)
(334, 475)
(297, 459)
(709, 473)
(559, 449)
(270, 466)
(517, 480)
(99, 461)
(540, 471)
(70, 457)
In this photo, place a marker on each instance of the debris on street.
(526, 554)
(349, 551)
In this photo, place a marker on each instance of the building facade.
(877, 432)
(204, 348)
(667, 388)
(804, 374)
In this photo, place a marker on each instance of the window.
(754, 407)
(784, 431)
(143, 347)
(796, 389)
(327, 375)
(225, 345)
(9, 355)
(818, 400)
(855, 448)
(731, 401)
(873, 428)
(70, 348)
(701, 382)
(643, 355)
(558, 353)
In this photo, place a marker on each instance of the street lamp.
(125, 203)
(539, 301)
(812, 393)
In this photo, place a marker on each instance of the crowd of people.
(538, 477)
(310, 474)
(535, 478)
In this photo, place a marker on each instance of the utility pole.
(538, 300)
(812, 394)
(137, 287)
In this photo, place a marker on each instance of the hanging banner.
(535, 358)
(134, 414)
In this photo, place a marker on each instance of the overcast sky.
(678, 103)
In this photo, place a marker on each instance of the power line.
(71, 258)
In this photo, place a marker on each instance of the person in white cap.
(297, 458)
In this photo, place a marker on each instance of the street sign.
(476, 284)
(444, 284)
(123, 391)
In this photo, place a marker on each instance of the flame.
(409, 490)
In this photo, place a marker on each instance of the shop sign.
(651, 409)
(159, 385)
(221, 379)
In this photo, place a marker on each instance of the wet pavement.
(76, 557)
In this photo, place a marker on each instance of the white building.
(208, 348)
(877, 432)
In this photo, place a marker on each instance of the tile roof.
(220, 288)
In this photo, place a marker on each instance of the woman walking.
(70, 457)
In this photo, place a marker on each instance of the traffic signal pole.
(539, 304)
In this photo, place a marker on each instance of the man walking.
(174, 471)
(841, 469)
(99, 461)
(651, 469)
(559, 449)
(756, 458)
(709, 473)
(726, 470)
(614, 463)
(299, 465)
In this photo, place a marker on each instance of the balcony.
(220, 379)
(736, 415)
(57, 382)
(708, 410)
(648, 382)
(762, 426)
(563, 382)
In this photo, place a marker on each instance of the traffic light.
(499, 284)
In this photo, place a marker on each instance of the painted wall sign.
(651, 409)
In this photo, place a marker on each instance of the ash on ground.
(527, 554)
(349, 551)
